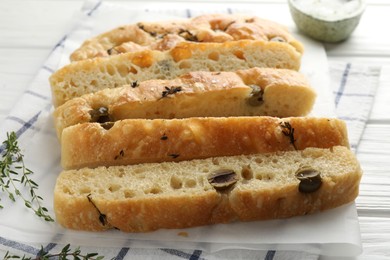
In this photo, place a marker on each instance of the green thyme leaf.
(65, 254)
(12, 164)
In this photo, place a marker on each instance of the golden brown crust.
(284, 93)
(91, 75)
(167, 34)
(135, 141)
(255, 197)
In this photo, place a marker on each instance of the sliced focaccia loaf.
(252, 92)
(165, 35)
(147, 197)
(135, 141)
(91, 75)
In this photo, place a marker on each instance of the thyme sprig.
(288, 131)
(66, 253)
(15, 174)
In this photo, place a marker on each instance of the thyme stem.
(288, 131)
(14, 171)
(66, 253)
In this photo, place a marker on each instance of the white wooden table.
(30, 29)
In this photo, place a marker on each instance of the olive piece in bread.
(150, 196)
(222, 179)
(251, 92)
(309, 180)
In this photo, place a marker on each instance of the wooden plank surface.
(30, 29)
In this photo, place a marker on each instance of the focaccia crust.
(146, 197)
(92, 75)
(165, 35)
(135, 141)
(252, 92)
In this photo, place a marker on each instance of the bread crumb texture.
(151, 196)
(92, 75)
(251, 92)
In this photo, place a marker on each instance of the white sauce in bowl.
(329, 10)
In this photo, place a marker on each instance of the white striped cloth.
(353, 87)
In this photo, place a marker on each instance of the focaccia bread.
(133, 141)
(252, 92)
(91, 75)
(165, 35)
(147, 197)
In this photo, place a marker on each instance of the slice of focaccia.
(165, 35)
(252, 92)
(146, 197)
(91, 75)
(135, 141)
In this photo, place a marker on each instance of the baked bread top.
(252, 92)
(91, 75)
(133, 141)
(165, 35)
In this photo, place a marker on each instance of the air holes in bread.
(181, 53)
(114, 187)
(239, 54)
(190, 183)
(185, 65)
(269, 176)
(133, 70)
(128, 194)
(246, 172)
(67, 191)
(176, 182)
(110, 70)
(138, 171)
(214, 56)
(264, 177)
(259, 160)
(93, 83)
(153, 190)
(120, 173)
(122, 70)
(215, 161)
(85, 190)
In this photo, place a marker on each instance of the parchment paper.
(335, 232)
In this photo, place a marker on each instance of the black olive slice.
(222, 179)
(310, 180)
(100, 115)
(107, 125)
(256, 97)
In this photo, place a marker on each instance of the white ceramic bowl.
(327, 26)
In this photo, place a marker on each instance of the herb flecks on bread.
(252, 92)
(91, 75)
(135, 141)
(165, 35)
(152, 196)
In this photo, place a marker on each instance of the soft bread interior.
(267, 187)
(252, 92)
(92, 75)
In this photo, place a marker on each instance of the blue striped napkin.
(353, 87)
